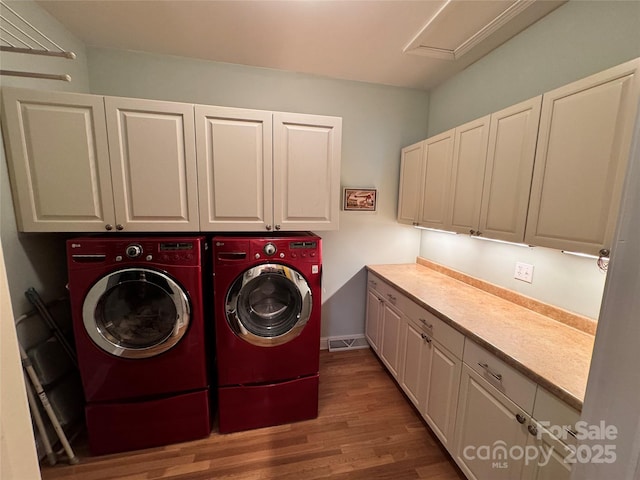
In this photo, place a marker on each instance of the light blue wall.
(579, 38)
(377, 122)
(576, 40)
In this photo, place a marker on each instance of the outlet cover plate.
(523, 272)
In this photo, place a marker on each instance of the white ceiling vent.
(460, 25)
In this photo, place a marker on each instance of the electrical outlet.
(524, 272)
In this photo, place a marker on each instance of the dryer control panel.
(295, 249)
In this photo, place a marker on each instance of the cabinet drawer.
(436, 328)
(555, 415)
(387, 292)
(506, 379)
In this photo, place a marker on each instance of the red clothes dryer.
(139, 329)
(267, 301)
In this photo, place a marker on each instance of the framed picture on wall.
(360, 199)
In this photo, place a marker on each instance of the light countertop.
(551, 353)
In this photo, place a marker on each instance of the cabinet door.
(581, 159)
(507, 179)
(411, 182)
(437, 180)
(58, 161)
(486, 429)
(234, 168)
(416, 365)
(306, 171)
(442, 393)
(153, 164)
(390, 344)
(549, 463)
(373, 321)
(467, 176)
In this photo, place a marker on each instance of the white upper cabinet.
(437, 178)
(234, 168)
(467, 176)
(58, 161)
(411, 183)
(581, 158)
(508, 172)
(425, 175)
(306, 171)
(153, 164)
(264, 171)
(87, 163)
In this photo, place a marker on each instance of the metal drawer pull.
(391, 297)
(571, 432)
(532, 430)
(520, 418)
(374, 283)
(428, 325)
(425, 337)
(497, 376)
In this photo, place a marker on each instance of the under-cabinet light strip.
(502, 241)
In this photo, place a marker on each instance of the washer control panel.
(166, 251)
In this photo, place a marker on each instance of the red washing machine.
(267, 300)
(139, 329)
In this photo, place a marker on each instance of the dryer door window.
(136, 313)
(269, 305)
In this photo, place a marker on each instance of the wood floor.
(366, 429)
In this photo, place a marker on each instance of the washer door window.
(136, 313)
(268, 305)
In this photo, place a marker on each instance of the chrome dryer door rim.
(268, 305)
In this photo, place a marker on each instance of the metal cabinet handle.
(391, 297)
(497, 376)
(108, 227)
(532, 429)
(373, 282)
(571, 432)
(277, 227)
(268, 227)
(426, 338)
(520, 418)
(426, 324)
(119, 227)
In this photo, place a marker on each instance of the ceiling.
(415, 44)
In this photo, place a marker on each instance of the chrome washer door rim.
(94, 324)
(238, 305)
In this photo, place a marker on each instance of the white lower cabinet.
(442, 393)
(385, 324)
(431, 377)
(552, 433)
(496, 423)
(489, 426)
(373, 323)
(550, 454)
(417, 362)
(392, 323)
